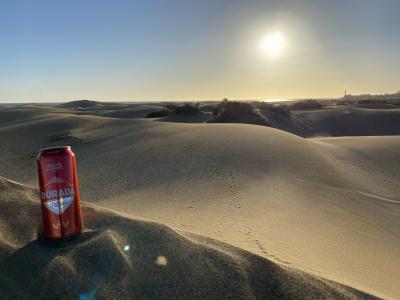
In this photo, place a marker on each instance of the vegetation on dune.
(237, 112)
(184, 110)
(306, 105)
(208, 107)
(158, 114)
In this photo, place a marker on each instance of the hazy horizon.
(192, 51)
(138, 101)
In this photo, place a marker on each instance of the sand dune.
(313, 204)
(118, 257)
(374, 119)
(347, 121)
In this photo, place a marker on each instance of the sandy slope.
(347, 121)
(121, 258)
(320, 205)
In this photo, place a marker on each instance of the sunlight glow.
(273, 43)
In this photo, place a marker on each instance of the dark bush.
(187, 109)
(158, 114)
(208, 107)
(237, 112)
(306, 105)
(219, 107)
(172, 109)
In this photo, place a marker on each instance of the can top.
(56, 148)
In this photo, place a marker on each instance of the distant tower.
(345, 93)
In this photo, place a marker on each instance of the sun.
(273, 43)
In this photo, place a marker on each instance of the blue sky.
(180, 50)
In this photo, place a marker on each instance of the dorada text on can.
(68, 191)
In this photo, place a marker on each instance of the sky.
(196, 50)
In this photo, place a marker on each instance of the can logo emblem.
(59, 195)
(58, 206)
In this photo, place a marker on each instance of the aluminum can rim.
(55, 148)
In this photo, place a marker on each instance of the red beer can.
(59, 192)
